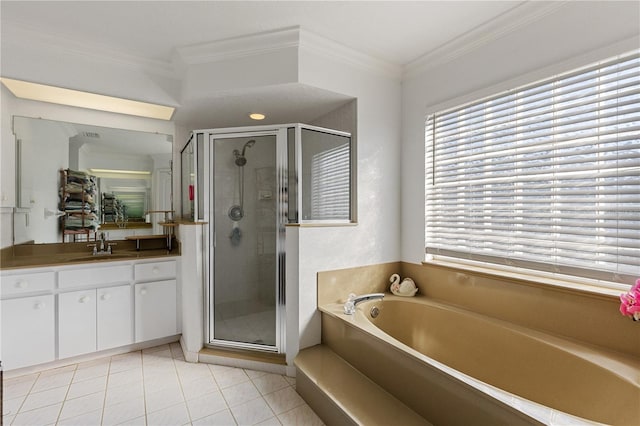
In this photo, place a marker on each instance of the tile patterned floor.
(153, 387)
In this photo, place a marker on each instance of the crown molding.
(292, 37)
(26, 37)
(518, 17)
(325, 47)
(237, 47)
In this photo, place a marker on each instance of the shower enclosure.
(244, 182)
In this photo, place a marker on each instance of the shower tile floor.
(246, 321)
(153, 387)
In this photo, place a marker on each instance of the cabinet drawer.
(94, 276)
(154, 271)
(27, 283)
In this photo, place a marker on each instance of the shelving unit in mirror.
(77, 200)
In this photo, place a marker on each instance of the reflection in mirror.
(132, 170)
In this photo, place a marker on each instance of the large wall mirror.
(130, 172)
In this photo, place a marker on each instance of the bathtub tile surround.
(153, 386)
(582, 328)
(587, 317)
(335, 286)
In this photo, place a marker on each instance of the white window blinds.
(546, 176)
(330, 184)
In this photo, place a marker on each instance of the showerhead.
(240, 161)
(240, 158)
(249, 144)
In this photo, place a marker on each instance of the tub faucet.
(353, 301)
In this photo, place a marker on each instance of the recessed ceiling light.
(76, 98)
(256, 116)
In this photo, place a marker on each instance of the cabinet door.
(114, 317)
(155, 310)
(76, 323)
(28, 331)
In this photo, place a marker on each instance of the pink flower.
(630, 302)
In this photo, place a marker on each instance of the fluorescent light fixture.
(124, 172)
(256, 116)
(76, 98)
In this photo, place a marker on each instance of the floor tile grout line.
(30, 392)
(182, 389)
(173, 362)
(144, 389)
(64, 400)
(25, 396)
(106, 390)
(182, 380)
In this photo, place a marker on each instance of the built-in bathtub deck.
(341, 395)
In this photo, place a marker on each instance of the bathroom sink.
(92, 258)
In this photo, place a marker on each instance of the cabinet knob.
(155, 270)
(38, 305)
(143, 291)
(84, 299)
(22, 284)
(106, 296)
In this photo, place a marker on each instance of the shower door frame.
(209, 137)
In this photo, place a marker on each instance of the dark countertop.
(60, 254)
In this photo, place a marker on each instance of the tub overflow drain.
(374, 312)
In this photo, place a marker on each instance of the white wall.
(576, 34)
(376, 238)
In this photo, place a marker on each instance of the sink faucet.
(102, 244)
(353, 301)
(102, 241)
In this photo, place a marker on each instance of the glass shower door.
(245, 224)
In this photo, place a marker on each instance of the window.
(546, 176)
(326, 171)
(330, 183)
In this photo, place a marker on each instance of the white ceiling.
(395, 31)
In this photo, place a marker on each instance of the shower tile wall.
(265, 184)
(245, 271)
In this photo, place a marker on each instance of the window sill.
(534, 278)
(321, 224)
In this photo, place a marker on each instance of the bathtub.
(456, 367)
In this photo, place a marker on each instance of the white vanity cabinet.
(28, 318)
(94, 318)
(68, 310)
(155, 300)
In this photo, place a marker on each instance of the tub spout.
(353, 300)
